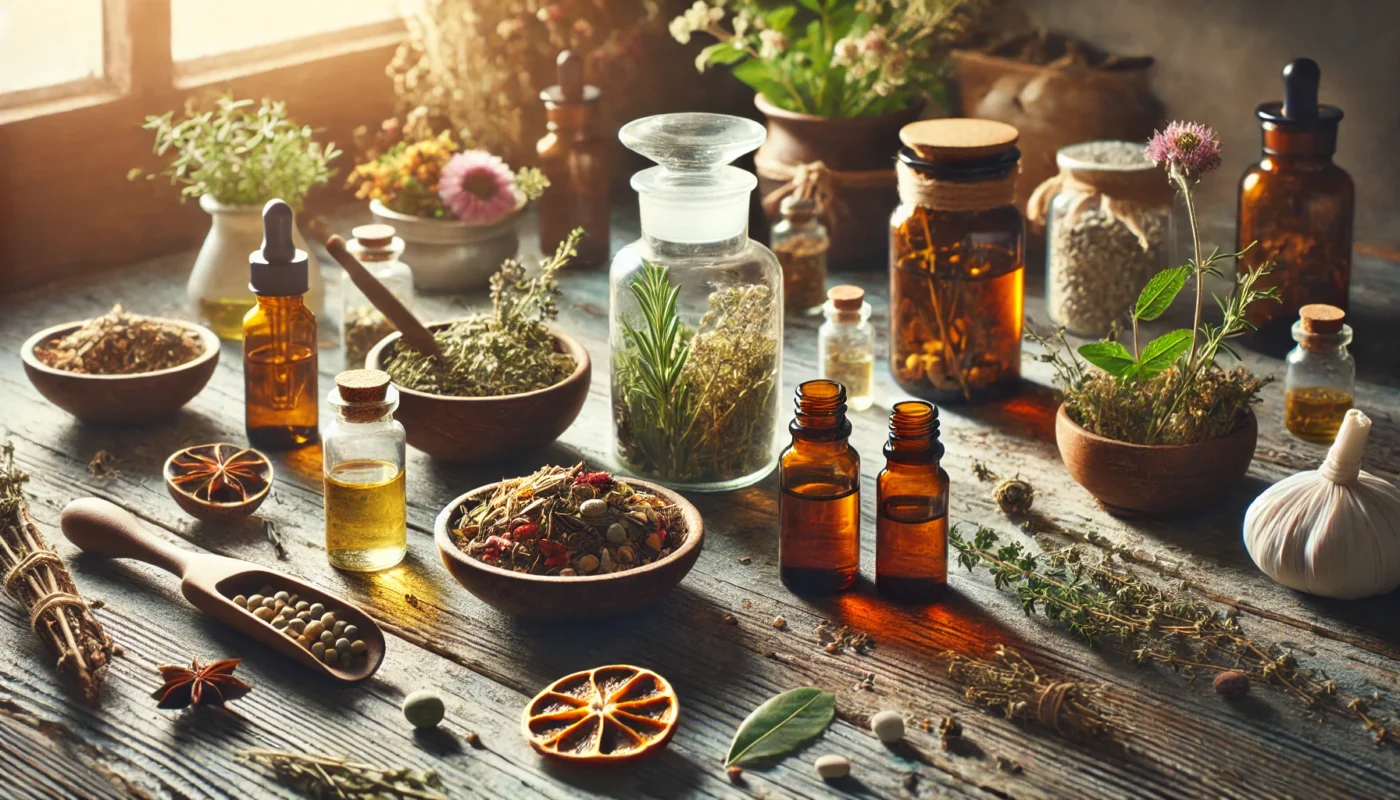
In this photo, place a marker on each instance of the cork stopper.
(846, 298)
(1321, 318)
(797, 209)
(373, 236)
(961, 139)
(362, 386)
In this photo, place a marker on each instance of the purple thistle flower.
(1189, 146)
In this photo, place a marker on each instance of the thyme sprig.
(1101, 604)
(1010, 685)
(329, 777)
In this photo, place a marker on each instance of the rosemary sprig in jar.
(1149, 624)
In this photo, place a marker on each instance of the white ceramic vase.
(448, 255)
(218, 285)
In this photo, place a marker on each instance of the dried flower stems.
(329, 777)
(1150, 624)
(1010, 684)
(35, 576)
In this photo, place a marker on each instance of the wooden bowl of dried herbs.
(569, 543)
(121, 367)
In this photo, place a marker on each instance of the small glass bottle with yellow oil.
(363, 461)
(1321, 378)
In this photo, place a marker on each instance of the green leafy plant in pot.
(836, 81)
(1159, 426)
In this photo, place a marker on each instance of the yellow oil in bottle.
(1315, 413)
(366, 516)
(224, 316)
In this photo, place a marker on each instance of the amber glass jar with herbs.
(957, 267)
(911, 511)
(577, 160)
(1297, 205)
(819, 508)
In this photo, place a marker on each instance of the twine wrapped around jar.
(1124, 195)
(817, 182)
(918, 189)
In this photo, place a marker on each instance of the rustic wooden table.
(1180, 739)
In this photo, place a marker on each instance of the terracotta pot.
(121, 399)
(578, 597)
(1137, 479)
(485, 429)
(448, 255)
(849, 145)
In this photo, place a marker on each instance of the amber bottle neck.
(281, 302)
(1310, 145)
(820, 413)
(572, 121)
(913, 434)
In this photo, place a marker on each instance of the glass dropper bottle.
(911, 512)
(819, 508)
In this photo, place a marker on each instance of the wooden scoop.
(413, 331)
(211, 582)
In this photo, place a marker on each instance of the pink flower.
(477, 187)
(1189, 146)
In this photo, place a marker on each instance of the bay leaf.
(781, 724)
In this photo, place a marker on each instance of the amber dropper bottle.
(279, 341)
(911, 508)
(819, 508)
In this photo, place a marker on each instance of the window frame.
(66, 206)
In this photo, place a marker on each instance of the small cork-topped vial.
(956, 256)
(846, 345)
(362, 326)
(363, 461)
(1320, 381)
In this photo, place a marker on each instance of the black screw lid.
(278, 269)
(1300, 109)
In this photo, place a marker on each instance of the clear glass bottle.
(1109, 230)
(363, 463)
(846, 345)
(696, 312)
(911, 507)
(1297, 205)
(1319, 385)
(577, 159)
(361, 324)
(279, 341)
(957, 277)
(819, 507)
(800, 241)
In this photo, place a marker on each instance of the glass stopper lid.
(692, 142)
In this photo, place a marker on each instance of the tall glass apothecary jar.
(957, 268)
(696, 312)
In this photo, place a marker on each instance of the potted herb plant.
(457, 210)
(235, 157)
(1163, 426)
(836, 81)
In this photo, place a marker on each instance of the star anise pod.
(211, 685)
(218, 473)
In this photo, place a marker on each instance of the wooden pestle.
(414, 332)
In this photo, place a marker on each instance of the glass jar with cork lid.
(801, 243)
(363, 455)
(957, 276)
(1320, 381)
(846, 345)
(362, 325)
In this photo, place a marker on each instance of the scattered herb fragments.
(119, 343)
(103, 467)
(1146, 623)
(37, 579)
(311, 625)
(836, 639)
(199, 685)
(1014, 496)
(325, 777)
(275, 537)
(220, 473)
(608, 715)
(1010, 685)
(782, 724)
(508, 351)
(568, 521)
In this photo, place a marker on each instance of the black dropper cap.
(1300, 109)
(279, 268)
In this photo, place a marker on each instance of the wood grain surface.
(1178, 739)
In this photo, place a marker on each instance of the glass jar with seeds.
(801, 243)
(1109, 230)
(697, 326)
(361, 324)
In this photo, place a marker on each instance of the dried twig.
(329, 777)
(1009, 684)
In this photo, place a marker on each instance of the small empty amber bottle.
(911, 507)
(577, 159)
(819, 508)
(1320, 383)
(279, 340)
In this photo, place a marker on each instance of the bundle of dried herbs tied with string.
(695, 405)
(35, 576)
(508, 351)
(568, 521)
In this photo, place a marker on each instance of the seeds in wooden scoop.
(312, 626)
(609, 715)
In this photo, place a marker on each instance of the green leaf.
(1162, 352)
(1111, 357)
(1157, 296)
(781, 724)
(811, 5)
(720, 53)
(779, 17)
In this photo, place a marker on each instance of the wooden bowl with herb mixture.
(545, 589)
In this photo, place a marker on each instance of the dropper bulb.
(1301, 78)
(277, 245)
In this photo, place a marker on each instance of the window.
(44, 44)
(202, 28)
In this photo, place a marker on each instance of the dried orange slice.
(607, 715)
